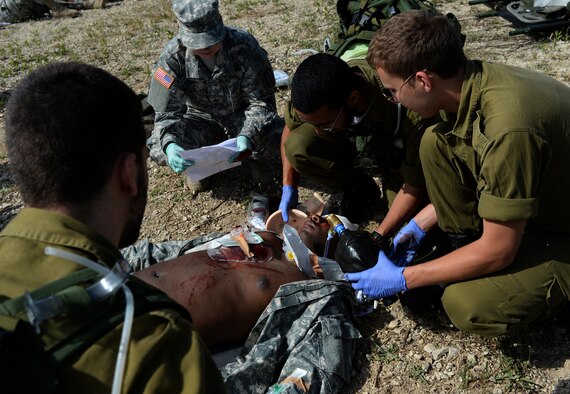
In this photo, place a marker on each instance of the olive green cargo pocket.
(534, 304)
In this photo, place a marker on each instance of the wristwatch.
(381, 241)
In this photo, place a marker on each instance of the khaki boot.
(94, 4)
(65, 13)
(197, 186)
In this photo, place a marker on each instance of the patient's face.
(314, 233)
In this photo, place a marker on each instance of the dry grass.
(127, 38)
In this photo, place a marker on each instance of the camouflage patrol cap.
(200, 22)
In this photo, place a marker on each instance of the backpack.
(368, 15)
(359, 20)
(28, 364)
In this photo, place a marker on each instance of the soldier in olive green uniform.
(87, 197)
(497, 174)
(336, 144)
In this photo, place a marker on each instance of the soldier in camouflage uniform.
(212, 82)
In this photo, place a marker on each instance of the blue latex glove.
(243, 145)
(289, 200)
(175, 162)
(382, 280)
(406, 243)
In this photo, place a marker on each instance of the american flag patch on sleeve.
(163, 78)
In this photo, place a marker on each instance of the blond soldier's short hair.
(418, 40)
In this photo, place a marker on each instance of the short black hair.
(66, 125)
(321, 80)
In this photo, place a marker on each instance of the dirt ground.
(401, 352)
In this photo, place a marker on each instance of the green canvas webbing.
(360, 19)
(14, 306)
(25, 366)
(339, 47)
(368, 15)
(146, 299)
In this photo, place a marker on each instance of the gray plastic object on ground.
(281, 78)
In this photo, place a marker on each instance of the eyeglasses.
(331, 129)
(390, 94)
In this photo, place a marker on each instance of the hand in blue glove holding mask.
(175, 162)
(383, 280)
(406, 243)
(289, 200)
(244, 148)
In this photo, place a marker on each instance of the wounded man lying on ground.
(217, 285)
(289, 321)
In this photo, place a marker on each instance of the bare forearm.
(290, 176)
(406, 202)
(495, 250)
(426, 219)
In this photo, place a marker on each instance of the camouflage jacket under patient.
(143, 253)
(238, 94)
(307, 325)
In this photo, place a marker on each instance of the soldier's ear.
(353, 98)
(128, 173)
(425, 79)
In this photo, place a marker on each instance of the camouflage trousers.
(13, 11)
(202, 131)
(308, 325)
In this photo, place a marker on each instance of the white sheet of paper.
(209, 160)
(546, 3)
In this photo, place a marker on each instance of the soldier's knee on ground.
(529, 291)
(472, 313)
(155, 151)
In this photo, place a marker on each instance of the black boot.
(423, 299)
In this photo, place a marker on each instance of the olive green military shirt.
(165, 352)
(512, 131)
(388, 136)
